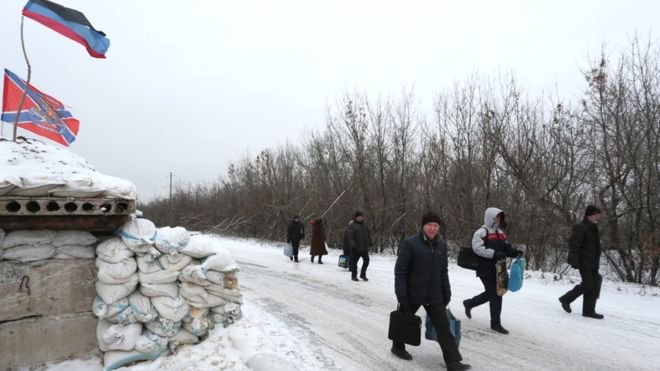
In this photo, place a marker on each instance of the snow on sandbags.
(199, 246)
(221, 261)
(170, 240)
(138, 234)
(8, 182)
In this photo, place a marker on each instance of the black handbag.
(468, 259)
(405, 328)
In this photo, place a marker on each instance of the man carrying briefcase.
(421, 279)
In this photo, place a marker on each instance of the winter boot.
(457, 366)
(401, 353)
(565, 304)
(320, 262)
(499, 329)
(364, 277)
(593, 315)
(468, 308)
(354, 278)
(291, 258)
(296, 259)
(312, 258)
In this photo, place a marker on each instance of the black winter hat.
(430, 217)
(358, 213)
(591, 210)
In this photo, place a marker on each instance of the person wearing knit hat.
(421, 279)
(357, 237)
(490, 243)
(584, 255)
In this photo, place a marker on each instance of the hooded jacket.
(490, 238)
(584, 246)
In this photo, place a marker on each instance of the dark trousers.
(296, 246)
(589, 287)
(490, 296)
(353, 260)
(440, 321)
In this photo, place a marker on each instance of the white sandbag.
(162, 289)
(124, 318)
(75, 252)
(113, 293)
(148, 263)
(9, 182)
(158, 277)
(174, 262)
(163, 327)
(169, 240)
(198, 326)
(194, 274)
(172, 309)
(231, 295)
(29, 253)
(113, 250)
(115, 273)
(228, 280)
(116, 337)
(142, 307)
(28, 238)
(199, 246)
(2, 237)
(103, 310)
(73, 238)
(115, 358)
(221, 261)
(183, 337)
(198, 297)
(150, 343)
(138, 234)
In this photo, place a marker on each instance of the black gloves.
(499, 255)
(404, 308)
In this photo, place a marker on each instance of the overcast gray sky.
(191, 86)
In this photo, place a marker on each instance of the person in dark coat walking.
(490, 243)
(317, 244)
(421, 279)
(294, 234)
(584, 255)
(358, 239)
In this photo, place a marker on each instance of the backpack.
(467, 258)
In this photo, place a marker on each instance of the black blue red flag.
(40, 113)
(70, 23)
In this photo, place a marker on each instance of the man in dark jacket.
(358, 239)
(584, 254)
(421, 279)
(295, 233)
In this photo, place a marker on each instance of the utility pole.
(170, 186)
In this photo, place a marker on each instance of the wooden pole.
(29, 74)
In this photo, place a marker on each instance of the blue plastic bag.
(288, 250)
(454, 328)
(516, 276)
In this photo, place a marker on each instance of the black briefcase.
(405, 328)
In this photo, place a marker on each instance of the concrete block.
(33, 341)
(56, 286)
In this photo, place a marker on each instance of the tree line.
(489, 143)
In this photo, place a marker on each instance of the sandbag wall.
(158, 289)
(46, 285)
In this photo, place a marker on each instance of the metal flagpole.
(27, 61)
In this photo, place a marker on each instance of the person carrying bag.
(421, 280)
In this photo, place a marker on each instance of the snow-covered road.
(344, 323)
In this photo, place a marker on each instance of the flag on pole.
(70, 23)
(40, 113)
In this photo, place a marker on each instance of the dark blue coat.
(420, 273)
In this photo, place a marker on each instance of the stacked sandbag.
(28, 245)
(160, 288)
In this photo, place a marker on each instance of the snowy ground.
(309, 317)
